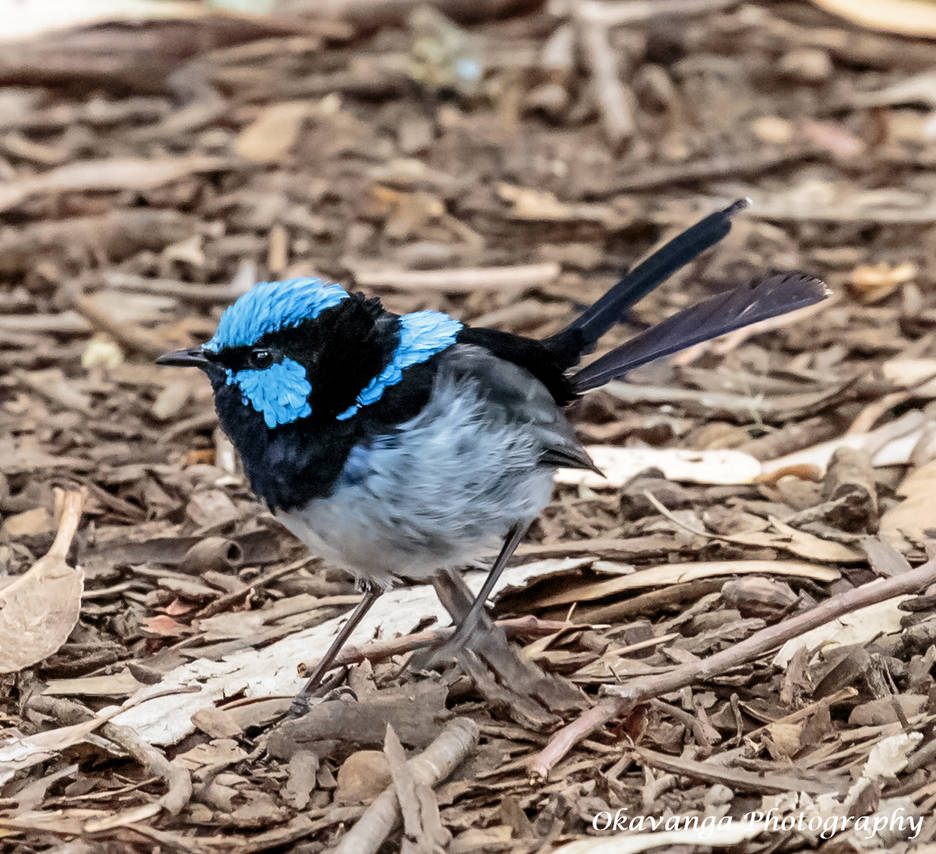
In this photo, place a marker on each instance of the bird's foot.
(329, 689)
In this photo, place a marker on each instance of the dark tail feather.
(758, 300)
(580, 337)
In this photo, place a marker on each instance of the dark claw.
(330, 689)
(339, 693)
(299, 706)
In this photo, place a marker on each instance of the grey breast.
(443, 488)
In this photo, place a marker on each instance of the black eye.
(259, 359)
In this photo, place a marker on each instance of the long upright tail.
(766, 297)
(580, 336)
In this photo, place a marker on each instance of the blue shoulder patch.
(280, 393)
(422, 335)
(269, 306)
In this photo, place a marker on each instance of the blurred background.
(157, 156)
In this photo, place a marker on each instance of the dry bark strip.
(629, 696)
(432, 766)
(423, 832)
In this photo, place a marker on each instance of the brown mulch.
(745, 628)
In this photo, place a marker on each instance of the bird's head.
(295, 350)
(307, 351)
(298, 366)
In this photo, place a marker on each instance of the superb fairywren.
(399, 445)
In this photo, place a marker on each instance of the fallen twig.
(461, 280)
(432, 766)
(177, 777)
(133, 337)
(222, 603)
(630, 695)
(625, 12)
(192, 292)
(615, 103)
(377, 13)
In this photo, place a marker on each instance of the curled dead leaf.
(40, 608)
(273, 133)
(783, 739)
(912, 518)
(872, 283)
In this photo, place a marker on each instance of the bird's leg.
(502, 673)
(469, 624)
(300, 703)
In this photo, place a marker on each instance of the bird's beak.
(192, 357)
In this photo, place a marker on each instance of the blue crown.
(269, 306)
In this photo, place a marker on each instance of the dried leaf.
(273, 133)
(858, 627)
(872, 283)
(120, 684)
(218, 750)
(806, 545)
(666, 574)
(913, 517)
(303, 767)
(40, 608)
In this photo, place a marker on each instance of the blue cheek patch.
(280, 393)
(422, 335)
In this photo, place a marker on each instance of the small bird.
(401, 445)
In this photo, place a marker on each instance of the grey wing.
(514, 396)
